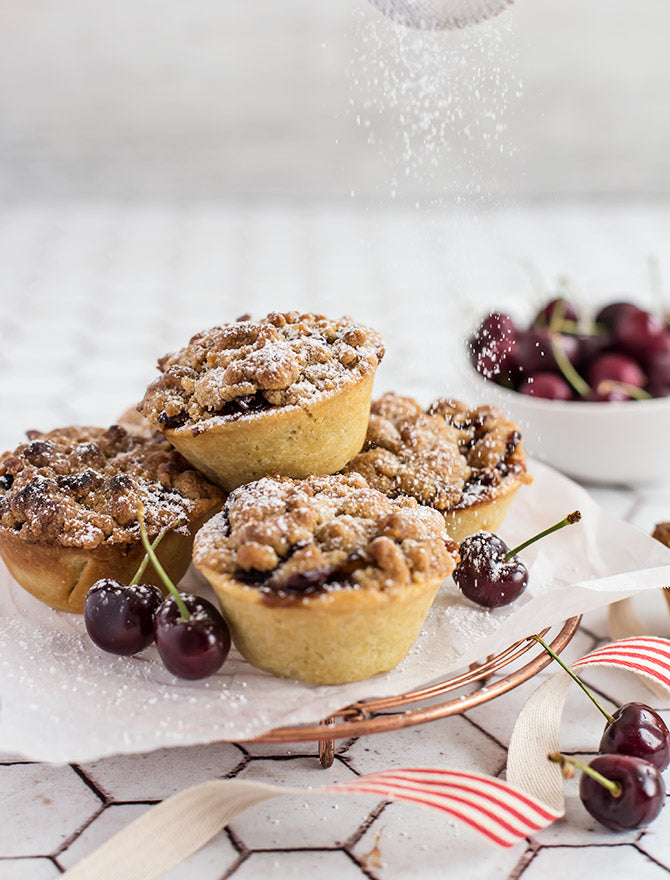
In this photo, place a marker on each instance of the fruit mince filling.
(278, 591)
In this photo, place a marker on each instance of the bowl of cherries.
(591, 392)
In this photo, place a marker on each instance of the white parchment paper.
(63, 700)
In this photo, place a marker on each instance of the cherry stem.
(569, 520)
(143, 564)
(557, 314)
(185, 613)
(571, 375)
(573, 328)
(574, 677)
(614, 788)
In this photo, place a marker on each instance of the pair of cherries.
(191, 636)
(622, 788)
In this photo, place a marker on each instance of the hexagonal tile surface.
(655, 840)
(309, 821)
(564, 861)
(448, 742)
(406, 841)
(28, 869)
(42, 806)
(158, 774)
(324, 865)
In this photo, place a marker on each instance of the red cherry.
(493, 346)
(641, 792)
(639, 731)
(640, 333)
(610, 314)
(544, 316)
(616, 368)
(547, 385)
(193, 648)
(120, 619)
(534, 351)
(485, 576)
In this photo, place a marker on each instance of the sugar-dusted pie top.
(447, 457)
(296, 537)
(81, 487)
(249, 366)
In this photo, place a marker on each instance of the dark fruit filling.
(170, 422)
(6, 482)
(302, 583)
(247, 403)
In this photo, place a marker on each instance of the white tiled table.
(90, 294)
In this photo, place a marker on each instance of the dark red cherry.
(495, 327)
(484, 576)
(655, 390)
(544, 316)
(640, 333)
(610, 314)
(493, 346)
(547, 385)
(120, 619)
(534, 352)
(658, 368)
(590, 346)
(616, 368)
(639, 731)
(193, 648)
(641, 797)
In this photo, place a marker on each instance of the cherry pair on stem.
(622, 788)
(191, 636)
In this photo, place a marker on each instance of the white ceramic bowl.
(615, 443)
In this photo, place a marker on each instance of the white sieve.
(440, 14)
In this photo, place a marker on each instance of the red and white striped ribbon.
(647, 655)
(494, 809)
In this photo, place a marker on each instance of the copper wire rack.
(418, 706)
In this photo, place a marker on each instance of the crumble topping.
(662, 533)
(296, 537)
(81, 487)
(447, 457)
(284, 359)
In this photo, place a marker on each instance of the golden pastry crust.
(68, 509)
(289, 394)
(325, 579)
(466, 463)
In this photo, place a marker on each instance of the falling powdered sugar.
(435, 103)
